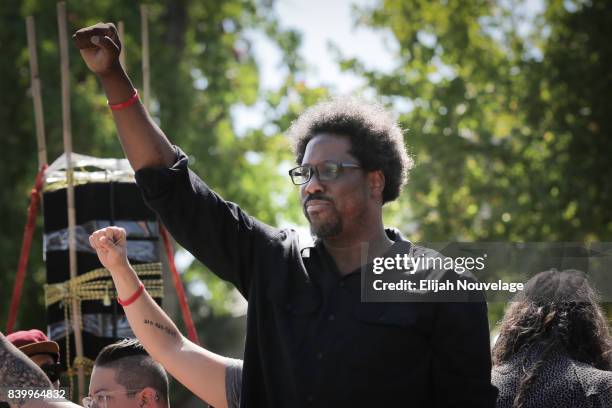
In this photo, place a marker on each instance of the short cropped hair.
(376, 139)
(135, 368)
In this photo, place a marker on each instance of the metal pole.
(67, 135)
(36, 93)
(144, 23)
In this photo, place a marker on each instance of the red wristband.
(133, 99)
(132, 298)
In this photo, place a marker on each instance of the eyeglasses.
(99, 400)
(52, 371)
(325, 171)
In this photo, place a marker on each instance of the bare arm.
(18, 372)
(144, 143)
(198, 369)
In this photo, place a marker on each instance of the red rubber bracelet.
(132, 298)
(125, 104)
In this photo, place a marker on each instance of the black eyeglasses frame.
(315, 170)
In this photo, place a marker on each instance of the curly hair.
(559, 311)
(376, 139)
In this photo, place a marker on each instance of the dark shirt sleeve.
(217, 232)
(233, 383)
(462, 357)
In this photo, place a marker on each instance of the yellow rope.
(97, 285)
(94, 285)
(84, 362)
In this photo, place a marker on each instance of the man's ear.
(376, 182)
(148, 397)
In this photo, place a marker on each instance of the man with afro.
(310, 340)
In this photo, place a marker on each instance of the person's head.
(556, 312)
(42, 351)
(360, 159)
(124, 376)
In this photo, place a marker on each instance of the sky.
(319, 29)
(324, 22)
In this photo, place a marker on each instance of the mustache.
(320, 197)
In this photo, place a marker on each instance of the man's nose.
(314, 185)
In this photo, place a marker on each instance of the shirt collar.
(393, 234)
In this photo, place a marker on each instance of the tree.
(509, 129)
(202, 64)
(507, 119)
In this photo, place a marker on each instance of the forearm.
(198, 369)
(144, 143)
(18, 372)
(150, 323)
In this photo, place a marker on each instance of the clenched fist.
(100, 47)
(110, 245)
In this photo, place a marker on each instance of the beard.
(326, 227)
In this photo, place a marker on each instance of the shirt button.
(342, 284)
(310, 399)
(331, 317)
(319, 355)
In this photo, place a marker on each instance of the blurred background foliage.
(510, 127)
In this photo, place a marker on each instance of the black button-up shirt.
(310, 340)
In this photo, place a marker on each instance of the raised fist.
(110, 245)
(100, 47)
